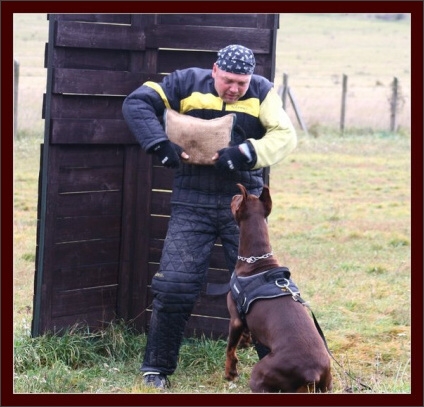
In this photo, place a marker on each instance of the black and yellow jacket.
(191, 91)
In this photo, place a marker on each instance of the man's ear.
(214, 69)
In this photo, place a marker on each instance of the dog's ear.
(243, 191)
(238, 205)
(265, 198)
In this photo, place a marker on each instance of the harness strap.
(245, 290)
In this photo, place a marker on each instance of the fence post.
(285, 88)
(15, 97)
(343, 110)
(393, 105)
(297, 111)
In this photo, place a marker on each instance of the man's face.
(230, 86)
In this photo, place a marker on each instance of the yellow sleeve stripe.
(155, 86)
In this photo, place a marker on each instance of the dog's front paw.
(231, 375)
(231, 369)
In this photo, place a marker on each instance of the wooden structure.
(103, 203)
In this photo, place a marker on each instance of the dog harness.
(268, 284)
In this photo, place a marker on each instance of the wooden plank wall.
(103, 203)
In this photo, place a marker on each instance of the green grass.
(340, 222)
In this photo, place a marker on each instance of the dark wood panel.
(218, 258)
(95, 319)
(139, 217)
(160, 202)
(89, 203)
(193, 37)
(86, 228)
(93, 82)
(101, 249)
(152, 268)
(214, 306)
(98, 59)
(89, 252)
(158, 226)
(43, 108)
(130, 291)
(155, 250)
(98, 18)
(76, 156)
(43, 285)
(219, 275)
(162, 177)
(71, 278)
(90, 131)
(170, 60)
(86, 179)
(219, 20)
(214, 328)
(108, 36)
(74, 302)
(224, 19)
(86, 107)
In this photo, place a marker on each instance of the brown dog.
(298, 361)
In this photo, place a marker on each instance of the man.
(201, 194)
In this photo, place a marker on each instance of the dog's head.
(241, 204)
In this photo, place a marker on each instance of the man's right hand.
(169, 153)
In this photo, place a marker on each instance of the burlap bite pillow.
(199, 138)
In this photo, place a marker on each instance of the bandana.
(236, 59)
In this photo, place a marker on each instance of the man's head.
(232, 72)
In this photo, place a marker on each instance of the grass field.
(316, 50)
(341, 223)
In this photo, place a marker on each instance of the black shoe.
(157, 380)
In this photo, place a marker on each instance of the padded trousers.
(191, 234)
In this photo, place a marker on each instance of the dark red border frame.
(8, 8)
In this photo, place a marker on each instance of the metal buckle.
(286, 287)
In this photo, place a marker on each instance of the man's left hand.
(231, 159)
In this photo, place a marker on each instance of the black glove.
(168, 153)
(231, 159)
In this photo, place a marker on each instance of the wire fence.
(346, 104)
(338, 102)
